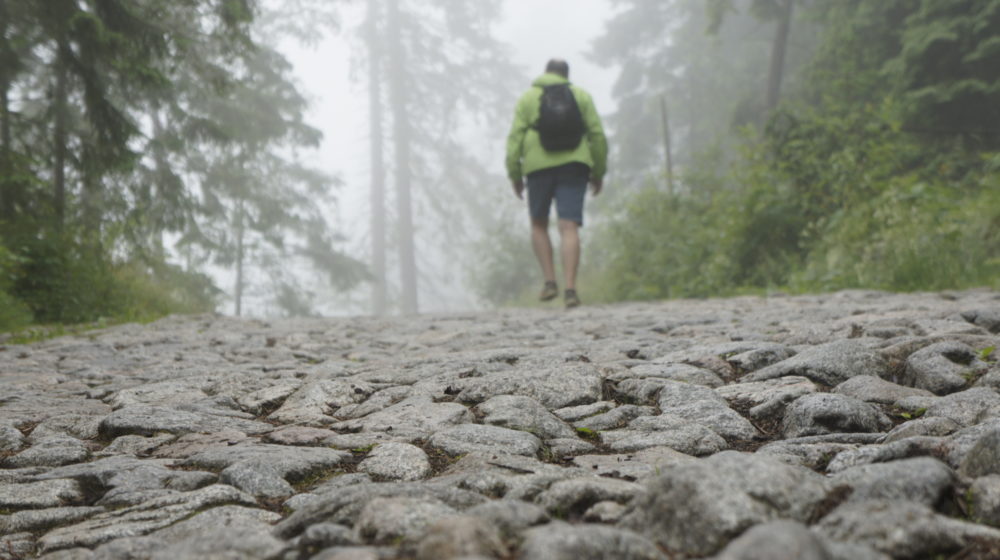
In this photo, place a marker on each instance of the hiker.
(556, 145)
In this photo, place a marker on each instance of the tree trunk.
(778, 50)
(60, 138)
(375, 110)
(401, 141)
(6, 138)
(240, 232)
(667, 150)
(91, 202)
(7, 184)
(157, 223)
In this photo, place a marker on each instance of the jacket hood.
(549, 79)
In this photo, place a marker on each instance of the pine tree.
(444, 74)
(156, 119)
(75, 78)
(377, 207)
(706, 66)
(778, 11)
(11, 189)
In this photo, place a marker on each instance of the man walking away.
(558, 144)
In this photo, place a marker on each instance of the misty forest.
(159, 157)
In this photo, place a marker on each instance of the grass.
(911, 415)
(316, 478)
(987, 353)
(973, 375)
(439, 459)
(41, 333)
(969, 508)
(588, 434)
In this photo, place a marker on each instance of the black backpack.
(560, 123)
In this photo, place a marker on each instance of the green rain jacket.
(525, 153)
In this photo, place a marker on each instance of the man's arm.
(598, 143)
(515, 147)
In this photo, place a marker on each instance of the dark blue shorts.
(567, 184)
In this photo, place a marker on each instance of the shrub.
(56, 279)
(13, 313)
(818, 203)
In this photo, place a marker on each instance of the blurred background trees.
(440, 89)
(133, 130)
(876, 168)
(816, 145)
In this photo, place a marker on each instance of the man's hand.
(518, 188)
(596, 185)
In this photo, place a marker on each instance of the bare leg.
(569, 236)
(543, 248)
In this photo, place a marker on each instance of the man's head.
(558, 66)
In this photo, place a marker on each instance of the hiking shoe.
(550, 291)
(571, 299)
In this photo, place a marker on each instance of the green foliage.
(877, 171)
(144, 293)
(946, 72)
(911, 415)
(663, 249)
(63, 281)
(588, 434)
(826, 203)
(970, 506)
(162, 121)
(13, 313)
(986, 354)
(506, 268)
(708, 61)
(915, 235)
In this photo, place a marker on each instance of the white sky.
(536, 31)
(542, 29)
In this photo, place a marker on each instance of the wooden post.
(240, 232)
(666, 144)
(60, 137)
(778, 50)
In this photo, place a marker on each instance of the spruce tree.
(124, 123)
(449, 84)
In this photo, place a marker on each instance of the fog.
(533, 31)
(470, 246)
(338, 157)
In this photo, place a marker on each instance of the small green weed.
(973, 375)
(969, 509)
(309, 481)
(915, 414)
(987, 353)
(588, 434)
(40, 333)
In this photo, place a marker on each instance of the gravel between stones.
(848, 425)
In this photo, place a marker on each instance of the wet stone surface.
(848, 425)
